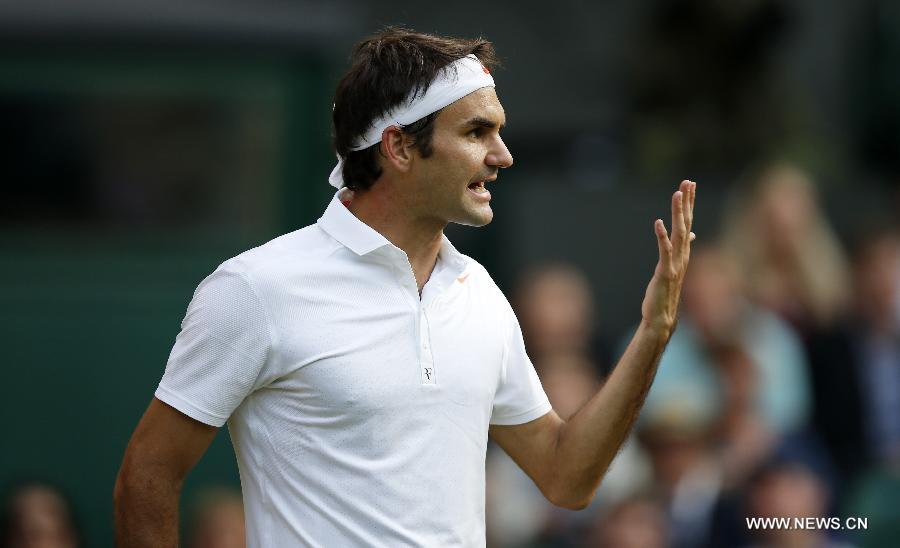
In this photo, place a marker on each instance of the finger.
(686, 189)
(686, 256)
(693, 196)
(693, 200)
(690, 196)
(665, 246)
(679, 230)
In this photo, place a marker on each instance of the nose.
(499, 156)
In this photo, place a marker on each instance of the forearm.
(589, 441)
(146, 510)
(567, 460)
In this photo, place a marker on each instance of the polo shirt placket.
(448, 258)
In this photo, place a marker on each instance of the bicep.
(532, 445)
(167, 441)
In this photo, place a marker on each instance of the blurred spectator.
(877, 274)
(858, 364)
(733, 356)
(790, 260)
(745, 439)
(793, 491)
(554, 304)
(569, 381)
(688, 476)
(217, 520)
(37, 515)
(637, 522)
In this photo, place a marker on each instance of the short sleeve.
(220, 352)
(520, 398)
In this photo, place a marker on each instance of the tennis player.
(362, 363)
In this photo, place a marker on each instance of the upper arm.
(166, 442)
(532, 445)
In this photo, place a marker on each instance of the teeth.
(479, 188)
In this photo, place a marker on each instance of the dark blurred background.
(145, 143)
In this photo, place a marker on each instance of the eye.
(476, 132)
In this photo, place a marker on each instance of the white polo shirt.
(359, 412)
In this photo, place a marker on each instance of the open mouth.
(478, 187)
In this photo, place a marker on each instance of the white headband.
(453, 82)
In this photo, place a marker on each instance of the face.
(467, 154)
(712, 295)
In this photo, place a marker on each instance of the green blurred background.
(135, 174)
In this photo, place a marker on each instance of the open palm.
(660, 307)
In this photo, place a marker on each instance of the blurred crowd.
(778, 396)
(37, 514)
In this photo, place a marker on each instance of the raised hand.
(659, 310)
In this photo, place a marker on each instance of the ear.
(397, 148)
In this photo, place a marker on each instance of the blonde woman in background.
(788, 255)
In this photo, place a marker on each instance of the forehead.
(481, 103)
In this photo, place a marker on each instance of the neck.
(393, 217)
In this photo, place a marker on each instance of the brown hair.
(385, 69)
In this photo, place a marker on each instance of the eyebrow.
(478, 121)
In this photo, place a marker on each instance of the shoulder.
(267, 270)
(476, 272)
(481, 281)
(287, 253)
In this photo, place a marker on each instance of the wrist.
(661, 332)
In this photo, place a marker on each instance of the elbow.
(572, 504)
(570, 499)
(134, 480)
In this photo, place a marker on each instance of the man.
(362, 362)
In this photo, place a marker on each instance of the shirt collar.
(455, 260)
(343, 226)
(346, 228)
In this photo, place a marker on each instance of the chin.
(477, 218)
